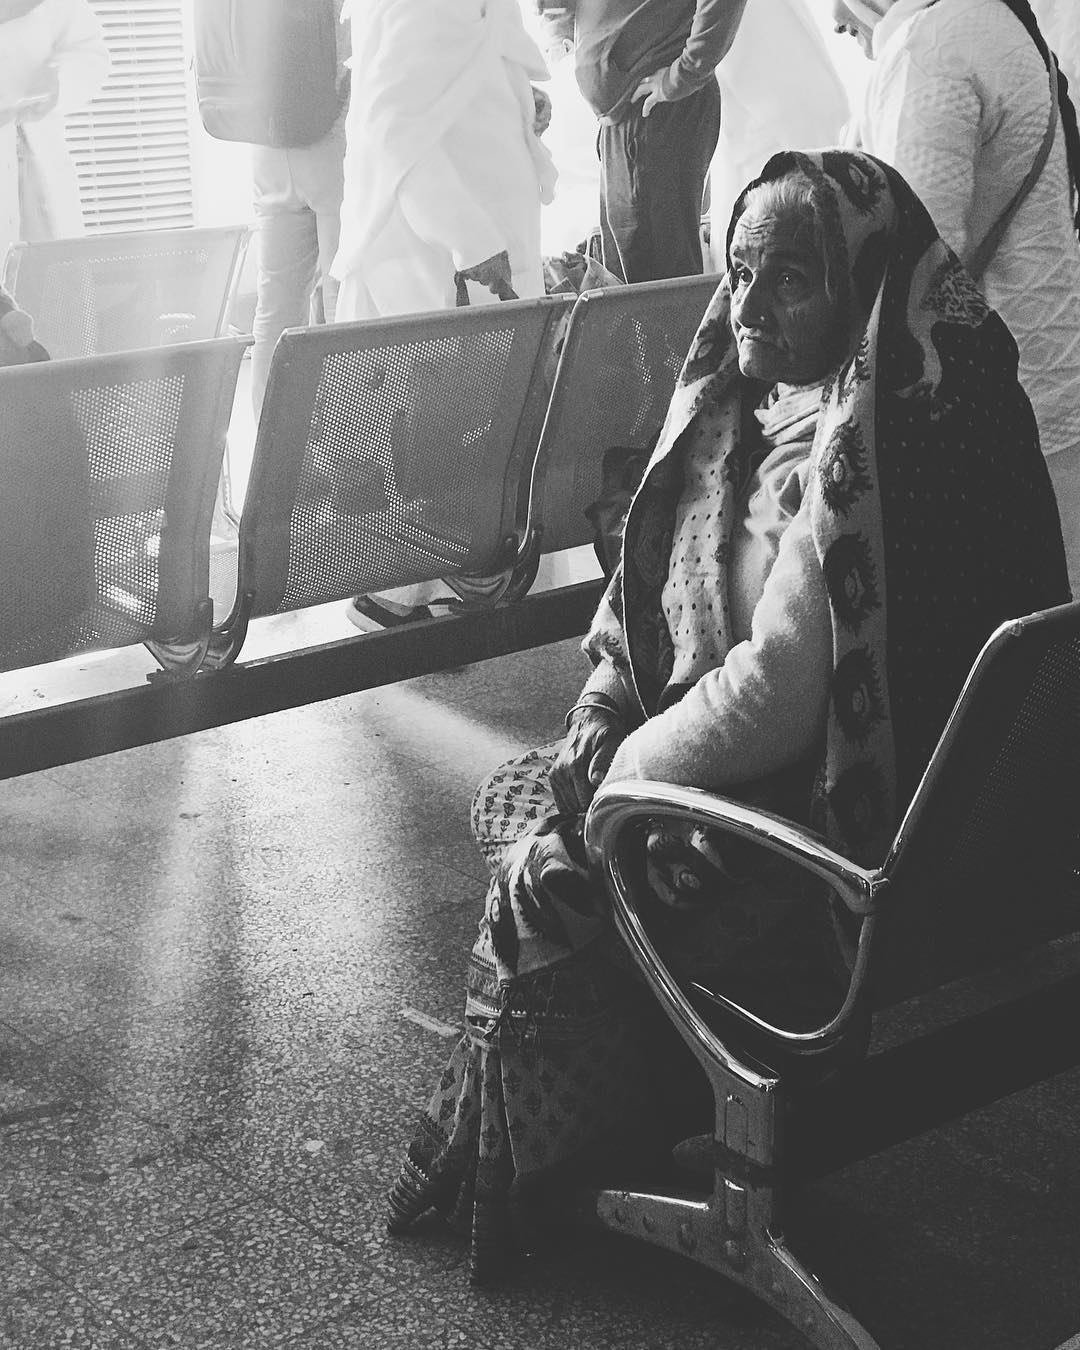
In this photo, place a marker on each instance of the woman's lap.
(563, 1048)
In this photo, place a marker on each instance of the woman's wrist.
(593, 702)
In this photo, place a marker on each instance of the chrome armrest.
(617, 808)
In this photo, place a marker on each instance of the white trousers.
(297, 199)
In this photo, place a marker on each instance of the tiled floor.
(231, 967)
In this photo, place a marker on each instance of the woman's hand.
(595, 733)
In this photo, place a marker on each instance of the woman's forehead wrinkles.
(785, 232)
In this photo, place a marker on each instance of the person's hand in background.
(651, 89)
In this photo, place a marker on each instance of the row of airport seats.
(460, 445)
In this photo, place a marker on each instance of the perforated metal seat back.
(988, 858)
(393, 451)
(621, 359)
(108, 472)
(119, 292)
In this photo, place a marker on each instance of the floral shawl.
(932, 512)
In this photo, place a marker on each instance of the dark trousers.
(652, 180)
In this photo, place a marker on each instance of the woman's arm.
(765, 707)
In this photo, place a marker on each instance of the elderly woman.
(846, 498)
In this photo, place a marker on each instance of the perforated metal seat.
(109, 471)
(619, 363)
(119, 292)
(390, 452)
(984, 868)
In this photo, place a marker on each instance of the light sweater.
(763, 707)
(959, 101)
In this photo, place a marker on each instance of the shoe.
(369, 614)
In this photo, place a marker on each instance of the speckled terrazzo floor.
(229, 967)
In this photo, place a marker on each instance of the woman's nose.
(750, 308)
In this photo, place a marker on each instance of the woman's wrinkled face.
(784, 320)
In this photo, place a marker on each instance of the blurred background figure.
(647, 68)
(963, 101)
(779, 89)
(445, 172)
(273, 73)
(53, 60)
(574, 213)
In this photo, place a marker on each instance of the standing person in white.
(445, 174)
(444, 170)
(960, 102)
(297, 195)
(53, 60)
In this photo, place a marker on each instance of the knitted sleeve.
(763, 709)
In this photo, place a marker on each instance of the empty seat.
(390, 452)
(108, 473)
(118, 292)
(618, 367)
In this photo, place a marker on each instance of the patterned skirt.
(565, 1065)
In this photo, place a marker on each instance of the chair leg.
(736, 1230)
(732, 1233)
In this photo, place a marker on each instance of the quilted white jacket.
(959, 101)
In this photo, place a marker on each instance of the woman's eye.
(792, 281)
(740, 276)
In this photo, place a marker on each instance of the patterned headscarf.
(931, 508)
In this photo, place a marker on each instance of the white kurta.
(959, 101)
(442, 168)
(64, 34)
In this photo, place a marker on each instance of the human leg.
(288, 252)
(653, 172)
(319, 175)
(553, 1065)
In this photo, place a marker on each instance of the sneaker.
(370, 615)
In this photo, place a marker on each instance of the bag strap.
(986, 250)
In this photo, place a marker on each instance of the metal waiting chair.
(983, 870)
(119, 292)
(390, 452)
(619, 363)
(108, 472)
